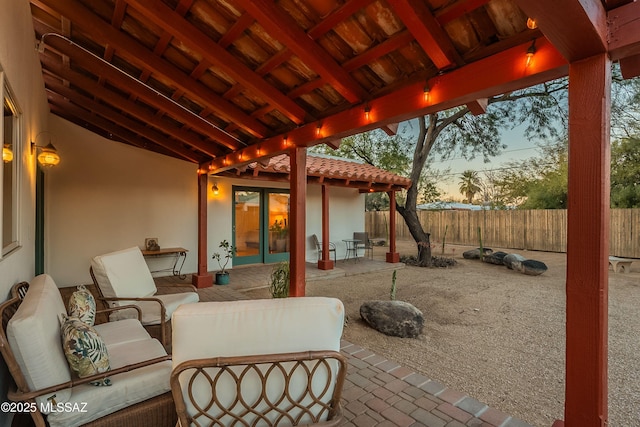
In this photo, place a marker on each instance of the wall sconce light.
(367, 112)
(215, 190)
(7, 154)
(285, 141)
(319, 130)
(531, 51)
(48, 156)
(532, 24)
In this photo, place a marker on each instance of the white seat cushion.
(151, 309)
(256, 327)
(250, 327)
(123, 274)
(127, 388)
(34, 336)
(122, 331)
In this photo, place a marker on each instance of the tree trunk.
(419, 235)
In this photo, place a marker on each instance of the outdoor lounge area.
(187, 125)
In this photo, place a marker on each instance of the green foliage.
(279, 283)
(393, 286)
(228, 251)
(625, 173)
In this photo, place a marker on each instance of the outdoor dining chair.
(123, 278)
(365, 243)
(270, 362)
(318, 245)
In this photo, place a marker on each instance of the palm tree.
(469, 184)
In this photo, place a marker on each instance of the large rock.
(495, 258)
(475, 253)
(395, 318)
(532, 267)
(513, 261)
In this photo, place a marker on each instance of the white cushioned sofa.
(140, 367)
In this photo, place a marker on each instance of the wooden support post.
(588, 242)
(325, 262)
(298, 186)
(202, 279)
(392, 255)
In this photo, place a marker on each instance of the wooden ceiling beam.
(391, 129)
(337, 16)
(64, 107)
(284, 28)
(581, 36)
(236, 30)
(478, 106)
(127, 106)
(135, 53)
(145, 93)
(624, 31)
(630, 67)
(395, 42)
(162, 15)
(427, 31)
(458, 9)
(500, 73)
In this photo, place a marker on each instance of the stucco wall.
(105, 196)
(21, 68)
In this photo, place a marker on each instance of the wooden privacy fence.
(539, 230)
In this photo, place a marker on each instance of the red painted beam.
(588, 242)
(427, 31)
(297, 217)
(577, 28)
(325, 262)
(135, 53)
(624, 31)
(500, 73)
(203, 279)
(456, 10)
(630, 67)
(284, 28)
(162, 15)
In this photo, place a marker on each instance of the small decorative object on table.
(151, 244)
(228, 251)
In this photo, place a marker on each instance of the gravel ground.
(495, 334)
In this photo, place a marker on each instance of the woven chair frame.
(157, 411)
(287, 409)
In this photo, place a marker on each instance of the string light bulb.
(532, 24)
(531, 51)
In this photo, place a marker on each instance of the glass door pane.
(278, 206)
(247, 207)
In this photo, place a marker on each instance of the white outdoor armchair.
(272, 362)
(123, 278)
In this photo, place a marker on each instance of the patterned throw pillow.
(85, 350)
(82, 305)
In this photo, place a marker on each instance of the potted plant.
(228, 251)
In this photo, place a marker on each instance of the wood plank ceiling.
(223, 83)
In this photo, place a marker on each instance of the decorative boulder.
(513, 261)
(395, 318)
(475, 253)
(495, 258)
(532, 267)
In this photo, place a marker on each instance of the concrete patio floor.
(378, 392)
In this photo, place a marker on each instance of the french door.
(260, 225)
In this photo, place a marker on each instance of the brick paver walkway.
(379, 392)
